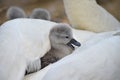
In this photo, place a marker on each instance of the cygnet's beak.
(73, 43)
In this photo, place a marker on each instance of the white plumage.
(88, 15)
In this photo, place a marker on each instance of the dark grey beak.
(73, 43)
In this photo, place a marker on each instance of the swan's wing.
(21, 41)
(99, 61)
(32, 34)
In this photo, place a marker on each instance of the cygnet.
(39, 13)
(15, 12)
(62, 44)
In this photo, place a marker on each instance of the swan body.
(25, 40)
(88, 15)
(97, 59)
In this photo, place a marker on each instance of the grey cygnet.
(15, 12)
(39, 13)
(62, 44)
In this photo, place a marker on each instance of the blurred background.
(55, 7)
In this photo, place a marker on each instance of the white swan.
(90, 62)
(88, 15)
(26, 40)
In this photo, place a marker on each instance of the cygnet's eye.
(67, 37)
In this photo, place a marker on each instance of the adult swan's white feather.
(88, 15)
(21, 42)
(99, 61)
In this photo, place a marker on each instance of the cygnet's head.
(61, 35)
(39, 13)
(15, 12)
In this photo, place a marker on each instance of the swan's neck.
(87, 14)
(78, 1)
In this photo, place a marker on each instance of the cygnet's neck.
(60, 50)
(88, 15)
(56, 52)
